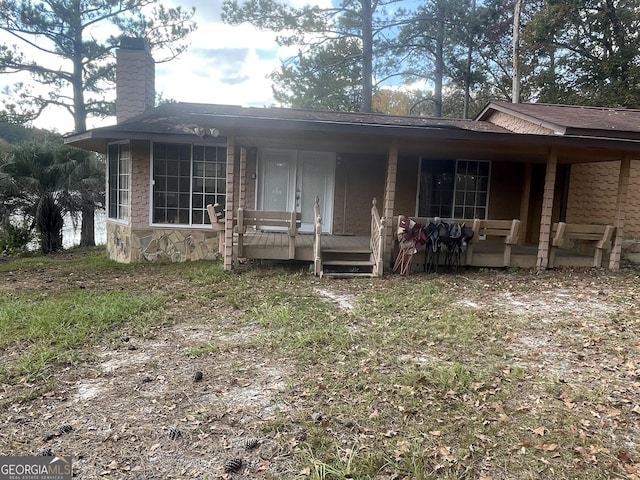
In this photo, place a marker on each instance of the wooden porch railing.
(317, 238)
(377, 240)
(264, 218)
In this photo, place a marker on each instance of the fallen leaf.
(548, 447)
(484, 438)
(539, 431)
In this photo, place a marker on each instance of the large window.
(186, 179)
(454, 189)
(119, 165)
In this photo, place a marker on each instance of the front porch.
(490, 253)
(495, 244)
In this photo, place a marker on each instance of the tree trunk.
(367, 57)
(439, 61)
(77, 82)
(49, 224)
(87, 227)
(467, 73)
(516, 53)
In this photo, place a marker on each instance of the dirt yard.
(203, 386)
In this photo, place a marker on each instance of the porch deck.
(275, 246)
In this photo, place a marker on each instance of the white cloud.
(224, 64)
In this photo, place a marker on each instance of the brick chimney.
(135, 78)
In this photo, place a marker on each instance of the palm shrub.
(43, 181)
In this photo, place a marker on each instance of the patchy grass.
(43, 329)
(481, 375)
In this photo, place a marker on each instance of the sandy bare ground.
(136, 410)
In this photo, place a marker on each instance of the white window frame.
(455, 189)
(475, 205)
(122, 192)
(191, 192)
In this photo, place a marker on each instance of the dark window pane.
(198, 153)
(173, 151)
(172, 184)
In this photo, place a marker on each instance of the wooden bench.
(598, 236)
(287, 221)
(507, 229)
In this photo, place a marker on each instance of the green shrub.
(14, 239)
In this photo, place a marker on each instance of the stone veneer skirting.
(127, 245)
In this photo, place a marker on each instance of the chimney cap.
(133, 43)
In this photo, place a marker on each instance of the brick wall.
(140, 181)
(598, 205)
(135, 79)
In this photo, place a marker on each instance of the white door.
(292, 180)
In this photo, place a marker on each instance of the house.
(324, 187)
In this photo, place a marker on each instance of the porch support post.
(621, 210)
(228, 209)
(390, 198)
(242, 198)
(524, 205)
(547, 210)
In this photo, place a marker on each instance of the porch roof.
(211, 123)
(618, 123)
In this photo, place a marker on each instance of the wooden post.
(390, 198)
(242, 197)
(621, 202)
(524, 205)
(317, 238)
(293, 231)
(547, 210)
(228, 209)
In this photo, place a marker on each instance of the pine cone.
(197, 377)
(232, 465)
(174, 434)
(66, 428)
(250, 443)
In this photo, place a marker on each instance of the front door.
(291, 180)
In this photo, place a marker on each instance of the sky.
(223, 64)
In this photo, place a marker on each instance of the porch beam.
(525, 199)
(228, 209)
(621, 210)
(390, 198)
(542, 261)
